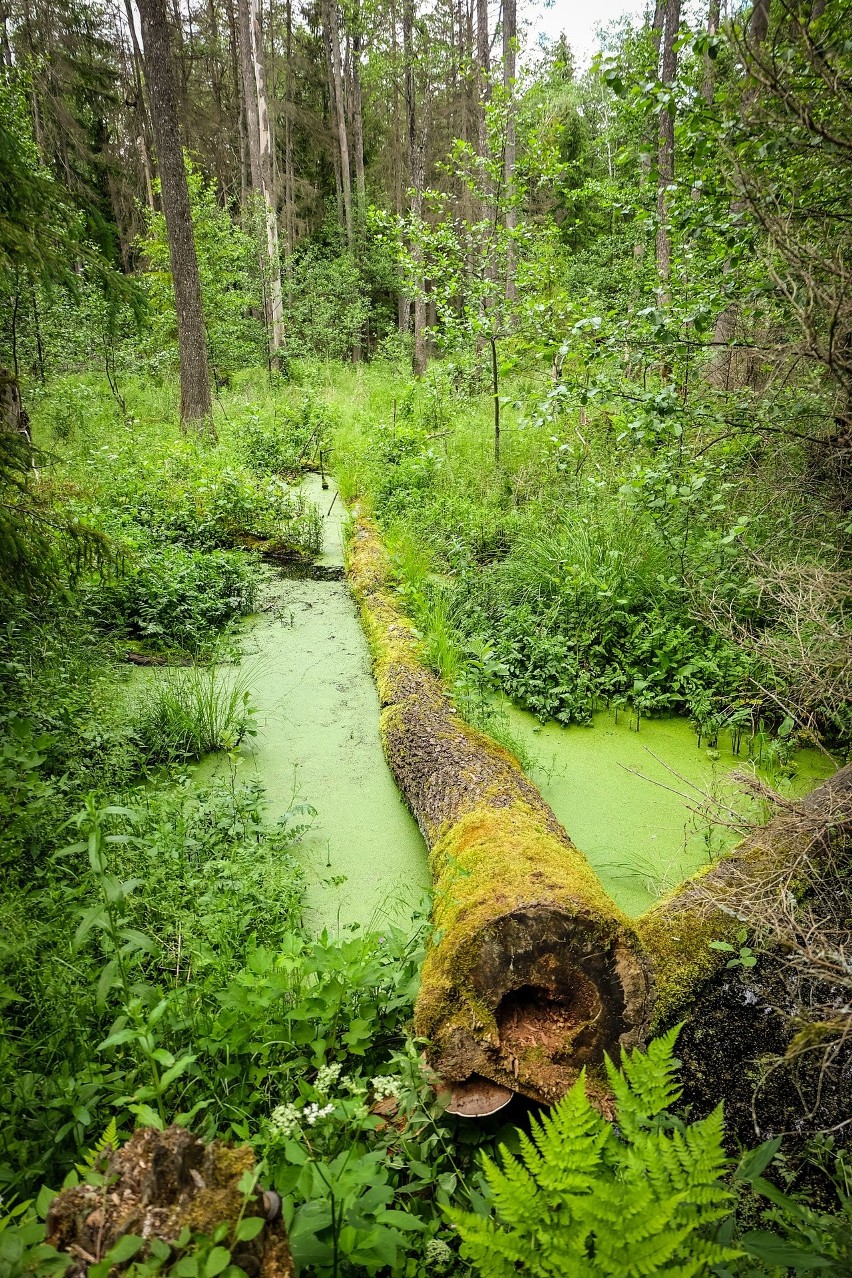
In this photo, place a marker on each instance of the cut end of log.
(544, 994)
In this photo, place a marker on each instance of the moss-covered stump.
(677, 932)
(533, 972)
(160, 1184)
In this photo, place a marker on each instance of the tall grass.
(602, 549)
(195, 711)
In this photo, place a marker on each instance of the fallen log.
(533, 971)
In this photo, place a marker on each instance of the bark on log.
(533, 972)
(678, 930)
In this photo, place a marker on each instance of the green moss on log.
(533, 971)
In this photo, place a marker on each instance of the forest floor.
(160, 956)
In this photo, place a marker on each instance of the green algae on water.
(624, 796)
(318, 743)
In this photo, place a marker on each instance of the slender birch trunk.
(270, 203)
(260, 162)
(332, 29)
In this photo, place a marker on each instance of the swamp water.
(624, 796)
(318, 742)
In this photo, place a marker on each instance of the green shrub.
(327, 307)
(284, 440)
(171, 597)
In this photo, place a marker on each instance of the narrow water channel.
(318, 742)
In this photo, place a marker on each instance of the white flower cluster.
(438, 1253)
(284, 1120)
(287, 1120)
(387, 1085)
(313, 1113)
(355, 1086)
(326, 1077)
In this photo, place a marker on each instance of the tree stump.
(159, 1184)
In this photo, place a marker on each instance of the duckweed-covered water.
(318, 742)
(624, 796)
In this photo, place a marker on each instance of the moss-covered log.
(677, 932)
(533, 972)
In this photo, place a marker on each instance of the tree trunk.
(239, 97)
(289, 189)
(399, 165)
(510, 48)
(358, 128)
(260, 158)
(483, 71)
(665, 155)
(139, 107)
(13, 416)
(707, 83)
(727, 320)
(339, 107)
(195, 403)
(267, 189)
(250, 95)
(415, 174)
(678, 930)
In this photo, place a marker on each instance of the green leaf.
(180, 1067)
(773, 1250)
(249, 1228)
(125, 1248)
(756, 1161)
(218, 1260)
(43, 1201)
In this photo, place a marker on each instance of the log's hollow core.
(558, 994)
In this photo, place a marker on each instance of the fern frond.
(106, 1144)
(584, 1201)
(646, 1084)
(569, 1142)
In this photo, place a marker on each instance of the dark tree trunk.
(195, 402)
(416, 178)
